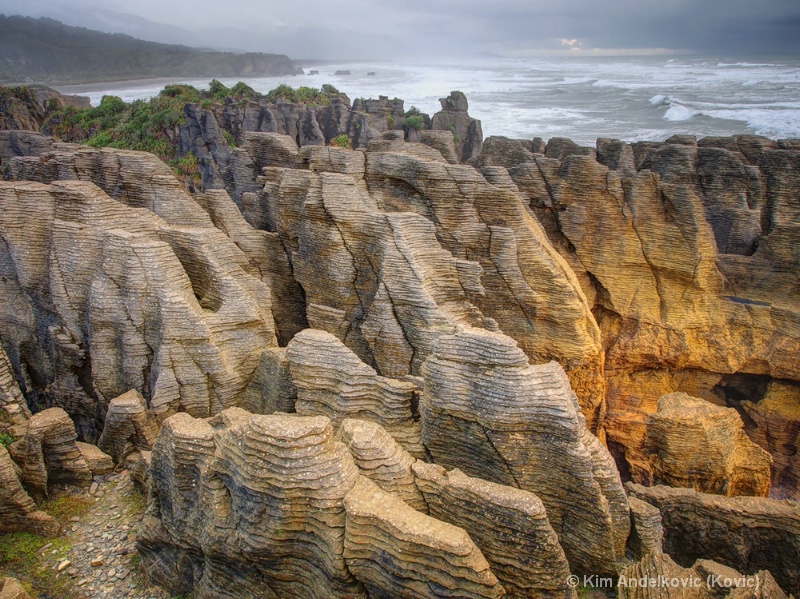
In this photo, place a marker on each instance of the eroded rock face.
(383, 535)
(745, 533)
(249, 504)
(18, 512)
(396, 247)
(692, 443)
(646, 529)
(682, 250)
(129, 427)
(486, 411)
(382, 460)
(777, 429)
(657, 575)
(49, 454)
(466, 131)
(509, 526)
(274, 506)
(12, 401)
(135, 291)
(331, 381)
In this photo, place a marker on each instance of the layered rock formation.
(509, 526)
(776, 428)
(659, 576)
(49, 453)
(133, 290)
(15, 408)
(398, 552)
(488, 412)
(382, 460)
(18, 512)
(129, 427)
(331, 381)
(682, 249)
(390, 259)
(692, 443)
(275, 506)
(745, 533)
(410, 307)
(467, 132)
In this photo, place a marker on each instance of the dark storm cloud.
(443, 28)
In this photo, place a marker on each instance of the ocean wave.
(660, 100)
(678, 112)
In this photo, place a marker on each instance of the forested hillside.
(49, 51)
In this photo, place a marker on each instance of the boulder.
(10, 588)
(693, 443)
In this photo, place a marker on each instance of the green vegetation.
(341, 141)
(64, 507)
(415, 122)
(21, 556)
(154, 125)
(390, 121)
(413, 111)
(304, 95)
(7, 439)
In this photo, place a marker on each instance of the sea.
(582, 98)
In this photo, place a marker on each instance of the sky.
(443, 29)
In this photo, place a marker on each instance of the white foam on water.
(582, 98)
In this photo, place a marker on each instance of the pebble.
(102, 560)
(64, 564)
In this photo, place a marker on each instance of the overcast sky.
(442, 29)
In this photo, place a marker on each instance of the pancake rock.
(12, 402)
(692, 443)
(682, 249)
(398, 552)
(657, 575)
(744, 533)
(331, 381)
(394, 247)
(509, 526)
(486, 411)
(467, 132)
(133, 290)
(646, 529)
(382, 460)
(129, 427)
(49, 455)
(18, 512)
(249, 505)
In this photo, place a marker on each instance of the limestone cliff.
(683, 251)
